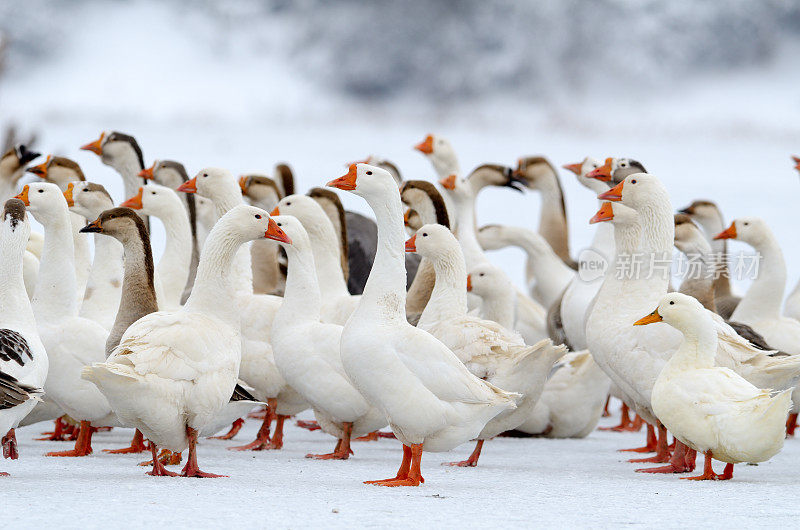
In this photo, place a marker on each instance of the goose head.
(15, 223)
(206, 211)
(426, 203)
(155, 200)
(302, 207)
(58, 170)
(210, 182)
(260, 190)
(796, 160)
(88, 199)
(440, 152)
(495, 175)
(366, 181)
(689, 239)
(614, 170)
(383, 164)
(297, 239)
(637, 191)
(433, 241)
(120, 223)
(680, 311)
(751, 230)
(13, 162)
(115, 148)
(535, 172)
(705, 212)
(457, 188)
(582, 170)
(45, 201)
(488, 281)
(168, 173)
(615, 213)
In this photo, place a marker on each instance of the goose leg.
(137, 445)
(606, 413)
(262, 438)
(83, 445)
(58, 433)
(167, 458)
(236, 426)
(277, 438)
(472, 461)
(708, 471)
(624, 421)
(342, 450)
(310, 425)
(191, 469)
(791, 425)
(410, 473)
(10, 445)
(650, 445)
(158, 467)
(682, 461)
(662, 449)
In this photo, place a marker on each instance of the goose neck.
(765, 295)
(56, 286)
(15, 307)
(449, 296)
(301, 298)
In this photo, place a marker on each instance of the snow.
(524, 482)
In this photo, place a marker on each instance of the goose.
(104, 286)
(23, 360)
(61, 171)
(489, 351)
(337, 304)
(614, 170)
(12, 167)
(268, 278)
(441, 155)
(171, 402)
(71, 341)
(708, 215)
(383, 163)
(712, 409)
(172, 174)
(332, 207)
(418, 372)
(122, 152)
(427, 203)
(257, 368)
(307, 349)
(578, 296)
(647, 195)
(530, 316)
(206, 218)
(173, 268)
(550, 274)
(537, 173)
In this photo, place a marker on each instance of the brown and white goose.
(12, 167)
(264, 192)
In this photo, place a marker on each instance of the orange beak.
(95, 147)
(147, 173)
(275, 233)
(134, 202)
(411, 244)
(649, 319)
(448, 183)
(469, 283)
(728, 233)
(406, 215)
(575, 168)
(190, 186)
(41, 169)
(603, 172)
(605, 213)
(243, 185)
(796, 159)
(425, 146)
(275, 211)
(346, 182)
(68, 194)
(614, 194)
(24, 196)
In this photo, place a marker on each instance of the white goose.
(173, 268)
(258, 368)
(549, 274)
(191, 356)
(530, 316)
(337, 302)
(71, 341)
(490, 351)
(23, 360)
(709, 408)
(307, 350)
(104, 286)
(431, 400)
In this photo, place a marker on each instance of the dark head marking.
(287, 179)
(263, 181)
(144, 238)
(122, 137)
(435, 197)
(697, 204)
(24, 155)
(15, 209)
(177, 166)
(60, 161)
(682, 218)
(91, 186)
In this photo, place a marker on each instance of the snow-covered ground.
(519, 482)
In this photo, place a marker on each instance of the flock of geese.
(400, 321)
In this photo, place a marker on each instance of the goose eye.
(424, 235)
(671, 302)
(152, 193)
(746, 224)
(288, 204)
(481, 274)
(258, 216)
(280, 224)
(205, 175)
(369, 172)
(633, 181)
(41, 191)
